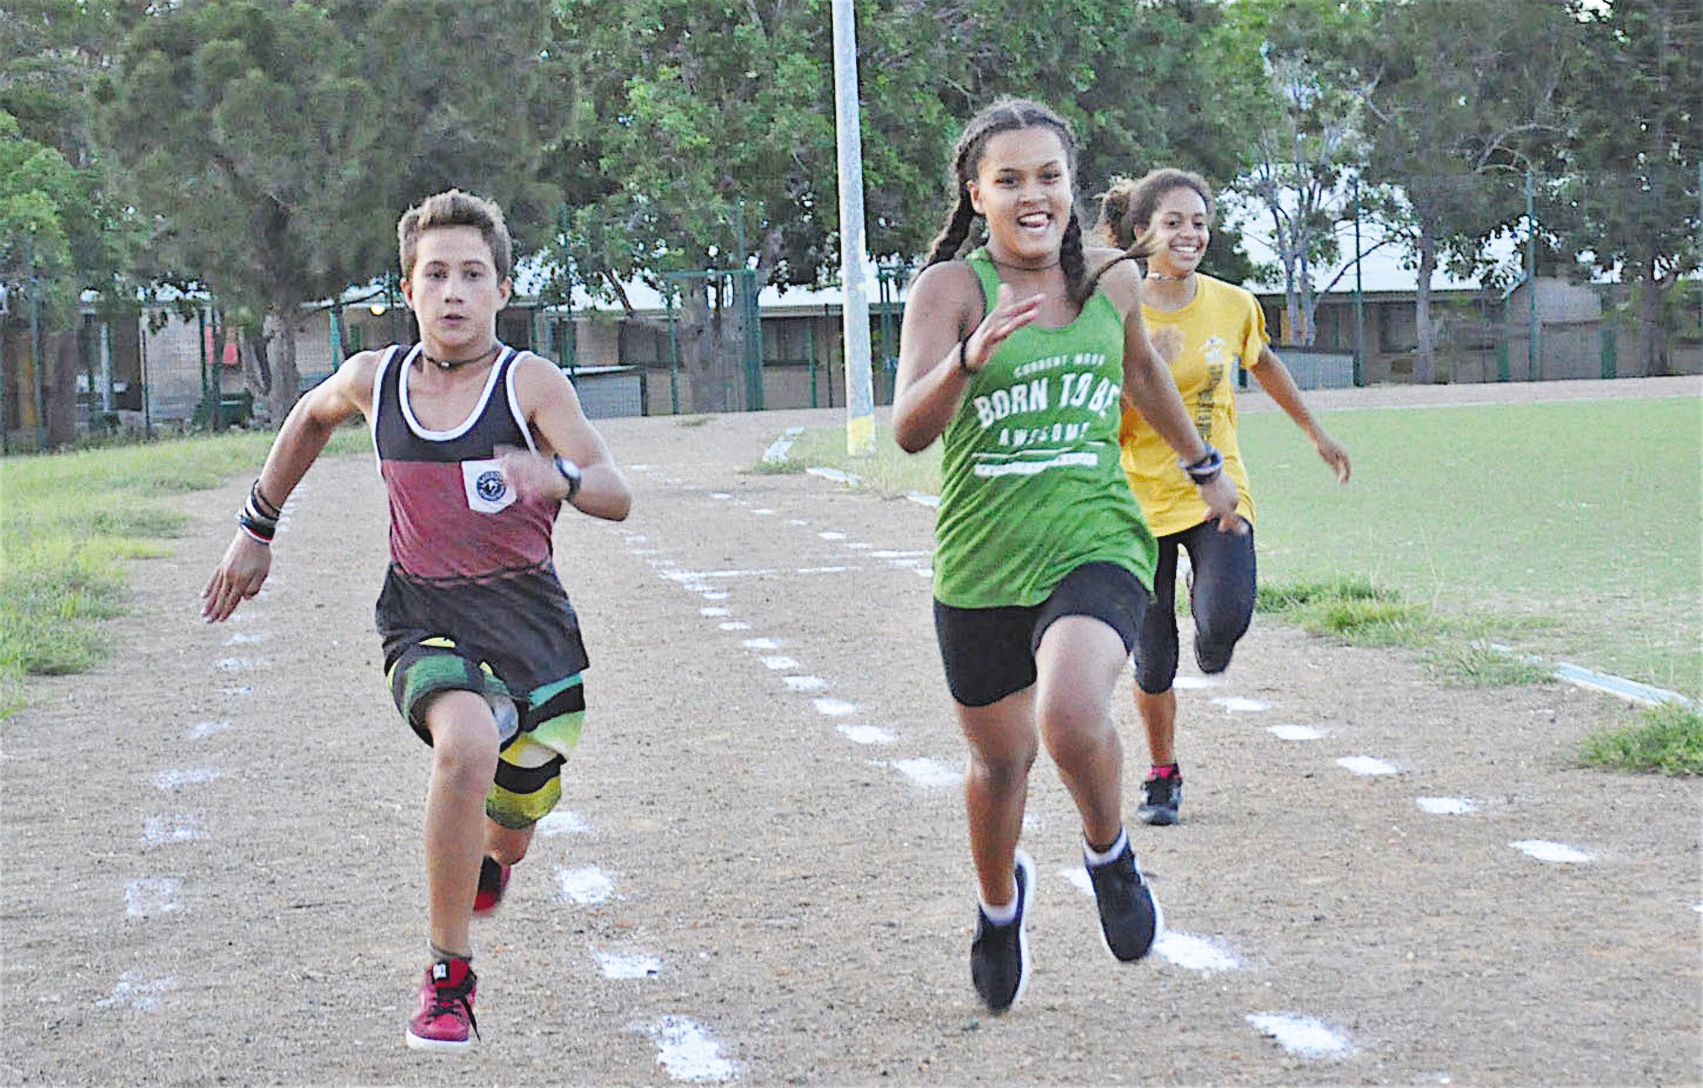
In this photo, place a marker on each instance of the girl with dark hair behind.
(1206, 330)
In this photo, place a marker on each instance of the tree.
(704, 138)
(60, 232)
(246, 132)
(1130, 78)
(1466, 93)
(1636, 143)
(1308, 133)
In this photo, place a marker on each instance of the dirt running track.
(213, 862)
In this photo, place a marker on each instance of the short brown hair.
(1127, 207)
(454, 208)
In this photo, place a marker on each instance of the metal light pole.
(854, 311)
(1359, 297)
(1531, 279)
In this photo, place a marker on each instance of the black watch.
(571, 473)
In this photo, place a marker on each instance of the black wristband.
(263, 505)
(964, 357)
(571, 473)
(258, 529)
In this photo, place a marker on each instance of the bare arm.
(930, 383)
(1280, 385)
(302, 438)
(1150, 390)
(552, 407)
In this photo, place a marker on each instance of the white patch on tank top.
(488, 490)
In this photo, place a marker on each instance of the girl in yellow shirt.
(1205, 329)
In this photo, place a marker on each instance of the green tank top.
(1033, 488)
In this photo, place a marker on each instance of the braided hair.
(1010, 115)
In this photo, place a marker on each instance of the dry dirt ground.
(214, 869)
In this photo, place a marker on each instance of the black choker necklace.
(456, 364)
(1021, 267)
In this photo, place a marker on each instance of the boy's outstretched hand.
(238, 577)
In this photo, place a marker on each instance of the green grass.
(1582, 515)
(1669, 741)
(888, 471)
(785, 466)
(1568, 530)
(70, 522)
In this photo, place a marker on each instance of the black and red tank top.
(469, 557)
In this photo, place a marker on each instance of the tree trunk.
(1425, 366)
(60, 359)
(1304, 278)
(286, 379)
(256, 370)
(1652, 335)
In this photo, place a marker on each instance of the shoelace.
(446, 998)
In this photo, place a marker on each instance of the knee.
(1215, 641)
(1075, 727)
(1004, 768)
(464, 746)
(508, 846)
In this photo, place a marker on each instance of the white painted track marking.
(1557, 852)
(1294, 732)
(930, 774)
(151, 897)
(688, 1052)
(167, 781)
(584, 887)
(563, 822)
(1446, 806)
(1367, 766)
(203, 730)
(628, 965)
(1305, 1036)
(135, 990)
(867, 734)
(1235, 704)
(1194, 953)
(160, 830)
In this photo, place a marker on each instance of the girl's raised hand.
(1005, 318)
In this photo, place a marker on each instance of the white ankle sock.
(1094, 858)
(1001, 916)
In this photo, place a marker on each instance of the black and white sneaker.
(999, 956)
(1130, 918)
(1162, 799)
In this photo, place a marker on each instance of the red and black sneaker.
(493, 881)
(445, 1019)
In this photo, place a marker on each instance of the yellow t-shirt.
(1220, 329)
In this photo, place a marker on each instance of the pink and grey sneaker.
(445, 1020)
(493, 881)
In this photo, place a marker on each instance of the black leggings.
(1221, 600)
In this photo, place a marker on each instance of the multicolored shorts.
(537, 729)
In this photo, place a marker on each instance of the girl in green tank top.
(1033, 485)
(1020, 356)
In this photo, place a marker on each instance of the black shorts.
(989, 653)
